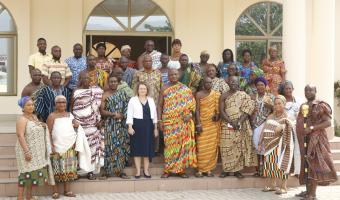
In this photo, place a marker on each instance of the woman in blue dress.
(142, 126)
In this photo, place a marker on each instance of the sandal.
(257, 174)
(210, 174)
(55, 195)
(198, 175)
(238, 175)
(165, 175)
(268, 189)
(183, 175)
(301, 194)
(224, 174)
(91, 176)
(281, 191)
(69, 194)
(123, 176)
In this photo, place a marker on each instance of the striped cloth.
(56, 65)
(44, 104)
(207, 141)
(86, 112)
(278, 147)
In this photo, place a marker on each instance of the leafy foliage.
(166, 28)
(268, 17)
(258, 49)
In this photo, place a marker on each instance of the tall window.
(8, 36)
(258, 28)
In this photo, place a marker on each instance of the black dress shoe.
(146, 176)
(137, 177)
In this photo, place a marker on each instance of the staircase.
(8, 173)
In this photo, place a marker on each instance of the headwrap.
(282, 98)
(59, 97)
(261, 79)
(124, 47)
(23, 100)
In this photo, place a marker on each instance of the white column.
(294, 43)
(322, 39)
(337, 52)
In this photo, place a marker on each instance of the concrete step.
(8, 160)
(336, 154)
(8, 138)
(8, 172)
(337, 165)
(335, 143)
(9, 185)
(156, 169)
(7, 149)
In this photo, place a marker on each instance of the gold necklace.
(278, 117)
(30, 117)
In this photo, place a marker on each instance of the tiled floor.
(324, 193)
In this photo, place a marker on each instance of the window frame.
(129, 29)
(267, 35)
(13, 35)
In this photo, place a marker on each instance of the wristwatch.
(311, 127)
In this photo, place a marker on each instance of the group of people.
(89, 115)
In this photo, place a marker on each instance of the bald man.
(155, 55)
(55, 64)
(34, 86)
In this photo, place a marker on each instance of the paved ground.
(324, 193)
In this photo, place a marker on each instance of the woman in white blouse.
(142, 122)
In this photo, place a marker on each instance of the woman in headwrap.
(247, 66)
(32, 150)
(292, 108)
(277, 142)
(263, 108)
(248, 84)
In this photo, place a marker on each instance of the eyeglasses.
(60, 102)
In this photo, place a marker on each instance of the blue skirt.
(142, 142)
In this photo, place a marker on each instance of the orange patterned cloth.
(273, 73)
(179, 137)
(208, 140)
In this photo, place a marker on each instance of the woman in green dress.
(31, 149)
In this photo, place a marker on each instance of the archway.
(121, 22)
